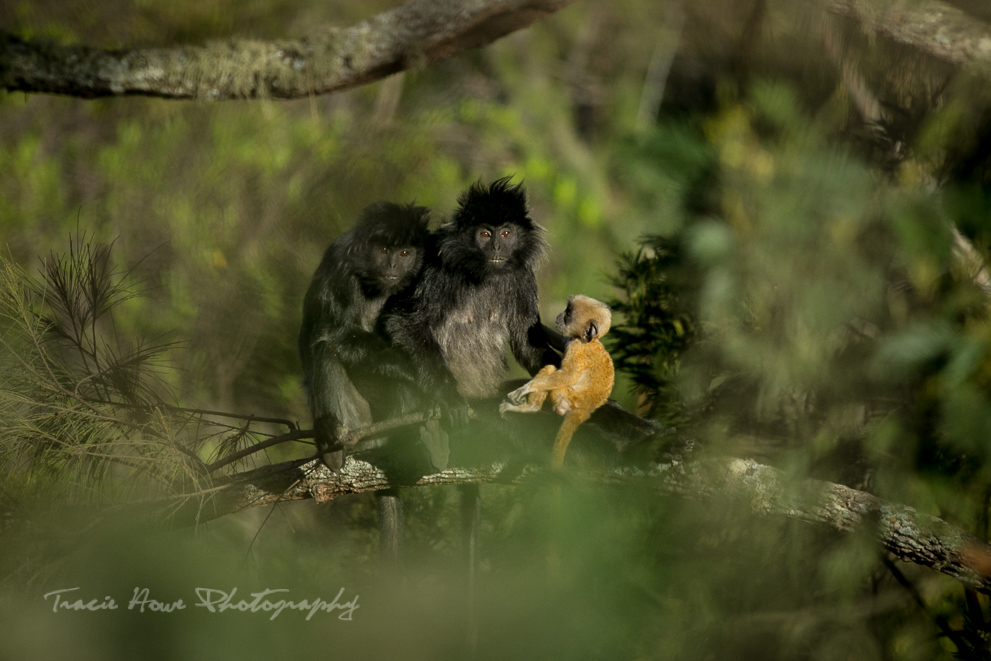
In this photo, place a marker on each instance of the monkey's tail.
(570, 423)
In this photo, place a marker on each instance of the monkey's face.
(393, 266)
(564, 320)
(497, 244)
(585, 318)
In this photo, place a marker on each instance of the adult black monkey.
(477, 294)
(352, 376)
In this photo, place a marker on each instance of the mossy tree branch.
(415, 34)
(937, 28)
(328, 60)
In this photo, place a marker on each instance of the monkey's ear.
(591, 331)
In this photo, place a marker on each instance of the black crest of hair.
(494, 205)
(390, 224)
(351, 374)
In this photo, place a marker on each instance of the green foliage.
(69, 387)
(657, 326)
(788, 299)
(84, 412)
(841, 323)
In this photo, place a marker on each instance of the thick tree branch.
(328, 60)
(934, 27)
(412, 35)
(909, 535)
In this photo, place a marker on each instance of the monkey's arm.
(528, 338)
(409, 330)
(334, 402)
(416, 341)
(553, 339)
(532, 349)
(371, 354)
(408, 323)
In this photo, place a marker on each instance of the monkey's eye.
(384, 250)
(485, 234)
(404, 253)
(505, 233)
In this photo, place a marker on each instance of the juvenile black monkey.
(585, 379)
(352, 376)
(477, 294)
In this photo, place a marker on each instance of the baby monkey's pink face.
(584, 317)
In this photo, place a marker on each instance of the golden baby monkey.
(585, 379)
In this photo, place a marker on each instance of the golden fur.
(585, 379)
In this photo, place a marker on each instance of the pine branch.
(328, 60)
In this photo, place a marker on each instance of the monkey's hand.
(456, 414)
(454, 411)
(518, 396)
(327, 430)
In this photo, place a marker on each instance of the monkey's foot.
(333, 460)
(525, 407)
(437, 443)
(518, 396)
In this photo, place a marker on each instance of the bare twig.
(294, 435)
(352, 437)
(250, 417)
(349, 439)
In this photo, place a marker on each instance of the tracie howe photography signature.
(269, 601)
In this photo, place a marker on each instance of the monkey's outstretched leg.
(570, 423)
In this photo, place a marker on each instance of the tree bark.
(909, 535)
(410, 36)
(939, 29)
(328, 60)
